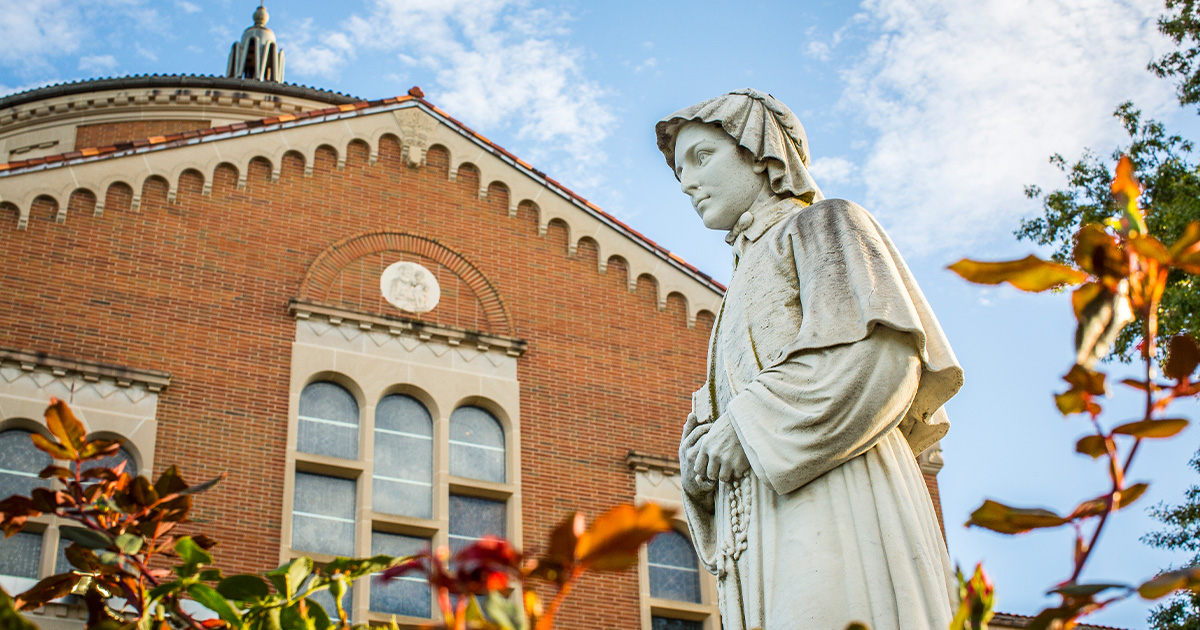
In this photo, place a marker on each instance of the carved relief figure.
(410, 287)
(827, 372)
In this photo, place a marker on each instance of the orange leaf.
(1188, 243)
(1093, 446)
(612, 542)
(1087, 380)
(1153, 428)
(1169, 582)
(1149, 247)
(1126, 190)
(1010, 520)
(1028, 274)
(65, 426)
(54, 449)
(1099, 505)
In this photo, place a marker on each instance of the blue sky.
(934, 114)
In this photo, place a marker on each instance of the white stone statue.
(827, 372)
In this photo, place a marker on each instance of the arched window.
(328, 421)
(476, 445)
(674, 569)
(20, 463)
(402, 474)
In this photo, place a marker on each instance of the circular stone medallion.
(410, 287)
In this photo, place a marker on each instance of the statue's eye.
(702, 157)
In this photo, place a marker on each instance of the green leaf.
(503, 611)
(129, 544)
(1183, 355)
(89, 538)
(192, 556)
(243, 587)
(318, 615)
(165, 588)
(1153, 428)
(287, 578)
(1169, 582)
(291, 618)
(1093, 446)
(355, 568)
(1009, 520)
(1028, 274)
(9, 617)
(212, 600)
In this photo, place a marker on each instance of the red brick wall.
(105, 134)
(200, 288)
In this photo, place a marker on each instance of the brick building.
(389, 331)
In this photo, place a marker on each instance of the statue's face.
(721, 180)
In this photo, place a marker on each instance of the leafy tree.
(1182, 533)
(1182, 25)
(1172, 190)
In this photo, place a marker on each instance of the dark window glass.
(20, 463)
(113, 461)
(476, 444)
(21, 555)
(408, 595)
(328, 421)
(323, 514)
(402, 474)
(472, 518)
(667, 623)
(674, 570)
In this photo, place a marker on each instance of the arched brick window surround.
(329, 263)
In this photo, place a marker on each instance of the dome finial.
(256, 55)
(261, 16)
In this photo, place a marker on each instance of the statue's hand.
(721, 455)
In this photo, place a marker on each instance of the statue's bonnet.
(761, 125)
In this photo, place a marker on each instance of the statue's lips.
(696, 203)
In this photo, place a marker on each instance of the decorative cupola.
(257, 56)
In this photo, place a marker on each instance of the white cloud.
(832, 170)
(649, 64)
(496, 64)
(187, 7)
(97, 64)
(34, 31)
(970, 97)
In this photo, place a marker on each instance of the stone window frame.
(369, 378)
(23, 402)
(657, 480)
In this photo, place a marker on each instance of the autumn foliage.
(1119, 275)
(133, 572)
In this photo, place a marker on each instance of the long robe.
(828, 362)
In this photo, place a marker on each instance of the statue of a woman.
(827, 372)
